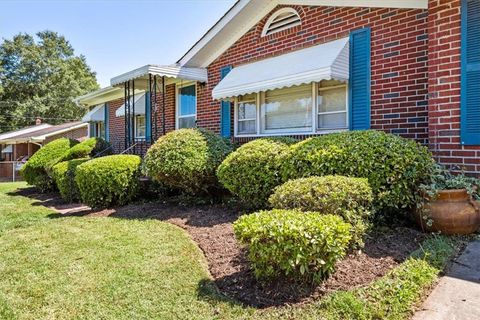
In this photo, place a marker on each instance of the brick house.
(17, 146)
(303, 68)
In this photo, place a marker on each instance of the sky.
(117, 36)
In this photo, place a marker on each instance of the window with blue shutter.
(359, 82)
(106, 119)
(470, 88)
(225, 109)
(148, 117)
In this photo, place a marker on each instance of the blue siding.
(225, 109)
(359, 82)
(470, 88)
(148, 117)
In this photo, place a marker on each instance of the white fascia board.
(11, 134)
(99, 96)
(406, 4)
(177, 72)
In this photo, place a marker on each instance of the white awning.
(322, 62)
(139, 106)
(172, 71)
(95, 115)
(8, 149)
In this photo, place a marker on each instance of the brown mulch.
(211, 228)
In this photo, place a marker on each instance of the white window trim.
(136, 126)
(314, 130)
(177, 101)
(333, 112)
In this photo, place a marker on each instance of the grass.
(106, 268)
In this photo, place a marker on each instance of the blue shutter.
(148, 117)
(470, 83)
(359, 82)
(225, 112)
(106, 123)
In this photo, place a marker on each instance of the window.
(140, 126)
(186, 106)
(293, 110)
(281, 20)
(247, 114)
(101, 129)
(332, 106)
(287, 110)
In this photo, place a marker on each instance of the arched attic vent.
(282, 19)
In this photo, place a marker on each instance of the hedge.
(63, 174)
(394, 166)
(110, 180)
(350, 198)
(253, 170)
(87, 149)
(34, 171)
(187, 159)
(299, 246)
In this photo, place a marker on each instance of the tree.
(40, 79)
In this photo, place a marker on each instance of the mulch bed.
(211, 228)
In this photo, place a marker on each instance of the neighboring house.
(303, 68)
(17, 146)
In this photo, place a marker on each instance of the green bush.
(253, 170)
(34, 171)
(186, 159)
(63, 174)
(299, 246)
(350, 198)
(394, 166)
(110, 180)
(88, 149)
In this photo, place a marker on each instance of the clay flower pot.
(451, 212)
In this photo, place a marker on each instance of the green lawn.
(106, 268)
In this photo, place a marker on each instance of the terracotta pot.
(452, 212)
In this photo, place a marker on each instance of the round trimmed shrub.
(394, 166)
(110, 180)
(299, 246)
(34, 171)
(63, 174)
(253, 170)
(87, 149)
(186, 159)
(350, 198)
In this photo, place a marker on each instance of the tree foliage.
(39, 77)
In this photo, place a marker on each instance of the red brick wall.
(78, 134)
(444, 72)
(399, 61)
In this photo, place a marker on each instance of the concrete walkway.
(457, 296)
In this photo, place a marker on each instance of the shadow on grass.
(210, 227)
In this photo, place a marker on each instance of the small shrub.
(87, 149)
(187, 159)
(110, 180)
(299, 246)
(34, 171)
(394, 166)
(253, 170)
(350, 198)
(63, 174)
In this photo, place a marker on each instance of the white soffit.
(173, 71)
(8, 135)
(245, 14)
(100, 96)
(140, 102)
(405, 4)
(322, 62)
(96, 114)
